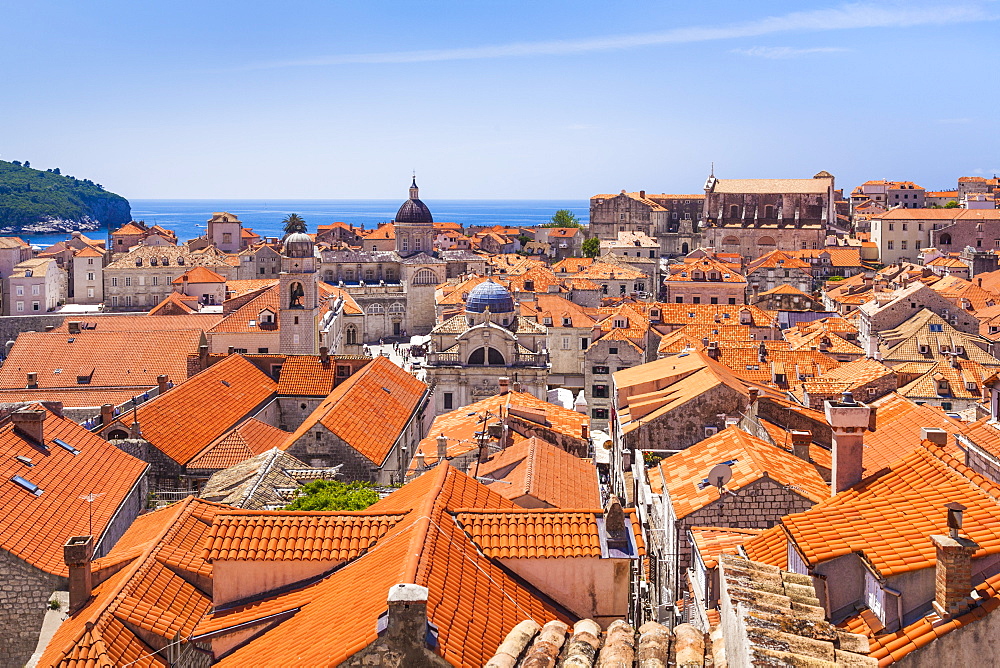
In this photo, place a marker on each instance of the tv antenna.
(90, 498)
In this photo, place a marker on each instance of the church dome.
(489, 295)
(413, 210)
(298, 244)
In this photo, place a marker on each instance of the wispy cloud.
(844, 17)
(782, 52)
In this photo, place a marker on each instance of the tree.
(592, 247)
(951, 205)
(334, 495)
(293, 223)
(563, 218)
(55, 170)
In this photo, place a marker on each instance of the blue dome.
(492, 295)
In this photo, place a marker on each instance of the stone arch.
(765, 241)
(945, 239)
(376, 309)
(117, 435)
(425, 277)
(352, 335)
(486, 355)
(731, 241)
(685, 249)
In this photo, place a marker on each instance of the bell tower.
(298, 297)
(414, 225)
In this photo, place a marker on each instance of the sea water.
(187, 217)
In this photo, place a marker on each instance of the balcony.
(453, 359)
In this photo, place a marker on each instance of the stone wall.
(24, 597)
(685, 425)
(981, 462)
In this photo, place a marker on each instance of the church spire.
(414, 191)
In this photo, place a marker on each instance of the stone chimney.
(848, 420)
(30, 423)
(231, 350)
(73, 326)
(203, 357)
(442, 448)
(32, 380)
(161, 383)
(324, 355)
(406, 621)
(801, 440)
(504, 383)
(934, 435)
(953, 570)
(754, 394)
(713, 350)
(585, 431)
(107, 414)
(77, 553)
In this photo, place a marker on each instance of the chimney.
(754, 393)
(324, 355)
(642, 194)
(848, 420)
(161, 383)
(420, 461)
(713, 350)
(762, 352)
(231, 350)
(801, 441)
(953, 570)
(54, 407)
(442, 443)
(585, 431)
(107, 414)
(516, 387)
(504, 382)
(704, 342)
(77, 553)
(30, 423)
(203, 357)
(406, 629)
(934, 435)
(73, 326)
(32, 380)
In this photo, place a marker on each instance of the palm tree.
(293, 223)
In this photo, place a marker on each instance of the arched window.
(765, 241)
(117, 435)
(945, 239)
(425, 277)
(397, 308)
(685, 249)
(486, 355)
(730, 241)
(376, 309)
(352, 335)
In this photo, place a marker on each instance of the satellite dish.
(720, 475)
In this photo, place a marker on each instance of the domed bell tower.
(298, 297)
(414, 225)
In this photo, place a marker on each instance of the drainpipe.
(899, 603)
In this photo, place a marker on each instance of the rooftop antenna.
(90, 498)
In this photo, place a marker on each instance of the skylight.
(66, 446)
(26, 484)
(24, 460)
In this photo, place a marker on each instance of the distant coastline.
(187, 216)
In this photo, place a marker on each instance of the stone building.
(141, 278)
(673, 220)
(704, 281)
(48, 464)
(36, 286)
(88, 276)
(755, 216)
(259, 261)
(778, 268)
(469, 352)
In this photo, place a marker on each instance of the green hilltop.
(33, 200)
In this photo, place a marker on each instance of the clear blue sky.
(497, 99)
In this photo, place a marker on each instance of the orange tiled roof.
(175, 304)
(81, 397)
(533, 533)
(866, 517)
(105, 358)
(544, 472)
(147, 604)
(557, 308)
(601, 271)
(472, 600)
(34, 528)
(247, 440)
(713, 541)
(182, 422)
(295, 536)
(572, 265)
(139, 323)
(685, 473)
(985, 434)
(199, 275)
(461, 425)
(306, 375)
(770, 547)
(369, 410)
(239, 320)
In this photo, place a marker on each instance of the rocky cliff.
(36, 201)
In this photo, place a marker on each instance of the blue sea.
(187, 217)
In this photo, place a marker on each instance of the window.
(567, 343)
(584, 343)
(599, 391)
(715, 300)
(946, 405)
(262, 351)
(114, 282)
(891, 227)
(142, 280)
(936, 327)
(114, 301)
(128, 300)
(567, 322)
(613, 350)
(20, 291)
(889, 245)
(90, 275)
(732, 302)
(449, 401)
(600, 369)
(20, 307)
(227, 237)
(90, 292)
(128, 281)
(352, 335)
(904, 227)
(679, 300)
(376, 309)
(599, 413)
(903, 245)
(696, 300)
(155, 280)
(36, 290)
(90, 260)
(920, 227)
(34, 306)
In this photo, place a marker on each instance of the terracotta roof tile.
(106, 359)
(139, 323)
(285, 536)
(248, 439)
(306, 375)
(770, 547)
(713, 541)
(685, 474)
(369, 410)
(898, 422)
(83, 397)
(544, 472)
(533, 533)
(866, 517)
(182, 422)
(34, 528)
